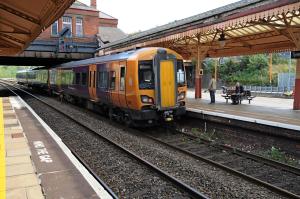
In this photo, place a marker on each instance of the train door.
(92, 82)
(167, 84)
(113, 83)
(122, 90)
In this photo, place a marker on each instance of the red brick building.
(85, 23)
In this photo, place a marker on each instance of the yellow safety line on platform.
(2, 155)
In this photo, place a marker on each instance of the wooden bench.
(248, 96)
(230, 94)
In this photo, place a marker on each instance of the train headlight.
(181, 96)
(147, 99)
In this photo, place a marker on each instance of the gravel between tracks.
(124, 175)
(212, 181)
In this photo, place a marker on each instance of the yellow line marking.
(2, 154)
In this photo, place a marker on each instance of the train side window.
(122, 78)
(70, 77)
(83, 79)
(100, 79)
(105, 80)
(63, 78)
(90, 79)
(77, 78)
(94, 80)
(112, 84)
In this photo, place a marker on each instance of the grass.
(206, 135)
(280, 156)
(209, 135)
(195, 131)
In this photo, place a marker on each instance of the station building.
(88, 27)
(86, 24)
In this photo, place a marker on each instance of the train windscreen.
(146, 75)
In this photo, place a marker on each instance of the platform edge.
(100, 191)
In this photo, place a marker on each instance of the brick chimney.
(94, 4)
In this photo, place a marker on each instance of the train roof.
(26, 71)
(22, 71)
(106, 58)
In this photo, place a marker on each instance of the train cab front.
(162, 86)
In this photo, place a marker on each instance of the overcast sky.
(140, 15)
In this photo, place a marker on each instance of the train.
(137, 87)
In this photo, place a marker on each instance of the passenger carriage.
(140, 86)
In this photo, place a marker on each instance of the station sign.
(295, 54)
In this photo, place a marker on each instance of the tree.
(258, 64)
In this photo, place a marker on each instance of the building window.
(54, 28)
(79, 30)
(67, 22)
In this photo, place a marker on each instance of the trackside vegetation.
(10, 71)
(250, 69)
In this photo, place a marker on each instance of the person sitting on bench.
(239, 90)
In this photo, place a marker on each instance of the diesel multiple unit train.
(137, 87)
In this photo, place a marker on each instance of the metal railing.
(269, 89)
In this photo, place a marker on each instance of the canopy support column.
(201, 54)
(297, 87)
(296, 39)
(198, 79)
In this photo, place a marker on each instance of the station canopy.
(22, 21)
(244, 27)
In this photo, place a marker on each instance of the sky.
(140, 15)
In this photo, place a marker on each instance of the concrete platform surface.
(35, 163)
(270, 111)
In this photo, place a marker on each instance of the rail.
(191, 191)
(232, 150)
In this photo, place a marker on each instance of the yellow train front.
(156, 81)
(138, 87)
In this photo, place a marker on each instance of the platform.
(276, 112)
(34, 161)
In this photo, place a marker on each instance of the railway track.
(189, 192)
(275, 176)
(184, 141)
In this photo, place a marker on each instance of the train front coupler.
(168, 116)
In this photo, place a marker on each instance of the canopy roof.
(247, 27)
(22, 21)
(110, 34)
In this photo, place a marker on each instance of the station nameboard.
(295, 54)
